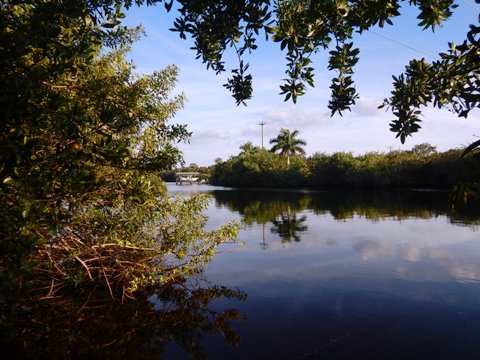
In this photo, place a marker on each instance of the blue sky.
(220, 127)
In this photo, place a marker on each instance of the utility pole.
(262, 124)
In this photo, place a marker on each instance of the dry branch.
(67, 260)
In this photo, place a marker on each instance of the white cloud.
(295, 117)
(368, 106)
(200, 137)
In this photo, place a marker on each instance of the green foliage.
(421, 167)
(81, 140)
(248, 148)
(452, 81)
(466, 194)
(303, 28)
(288, 144)
(342, 59)
(394, 169)
(424, 150)
(260, 168)
(464, 199)
(240, 85)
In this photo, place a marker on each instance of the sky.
(219, 127)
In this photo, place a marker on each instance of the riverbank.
(397, 169)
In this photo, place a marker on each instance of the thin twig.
(50, 297)
(108, 283)
(96, 258)
(85, 266)
(77, 238)
(51, 287)
(55, 265)
(123, 247)
(85, 303)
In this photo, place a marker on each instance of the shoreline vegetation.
(421, 167)
(398, 169)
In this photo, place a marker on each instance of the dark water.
(346, 275)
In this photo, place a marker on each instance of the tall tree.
(81, 140)
(424, 150)
(248, 148)
(288, 144)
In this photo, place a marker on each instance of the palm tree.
(248, 148)
(287, 143)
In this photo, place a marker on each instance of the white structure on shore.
(187, 177)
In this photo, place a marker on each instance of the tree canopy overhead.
(305, 27)
(301, 28)
(82, 138)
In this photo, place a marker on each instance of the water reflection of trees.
(278, 208)
(260, 206)
(289, 227)
(82, 327)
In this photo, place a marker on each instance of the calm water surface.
(346, 275)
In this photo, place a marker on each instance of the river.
(345, 275)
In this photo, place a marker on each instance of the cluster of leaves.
(288, 144)
(343, 58)
(305, 27)
(81, 140)
(216, 25)
(423, 167)
(452, 81)
(260, 168)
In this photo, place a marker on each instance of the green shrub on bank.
(261, 168)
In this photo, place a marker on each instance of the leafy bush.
(261, 168)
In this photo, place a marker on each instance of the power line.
(401, 43)
(474, 5)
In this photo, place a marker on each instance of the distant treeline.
(422, 167)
